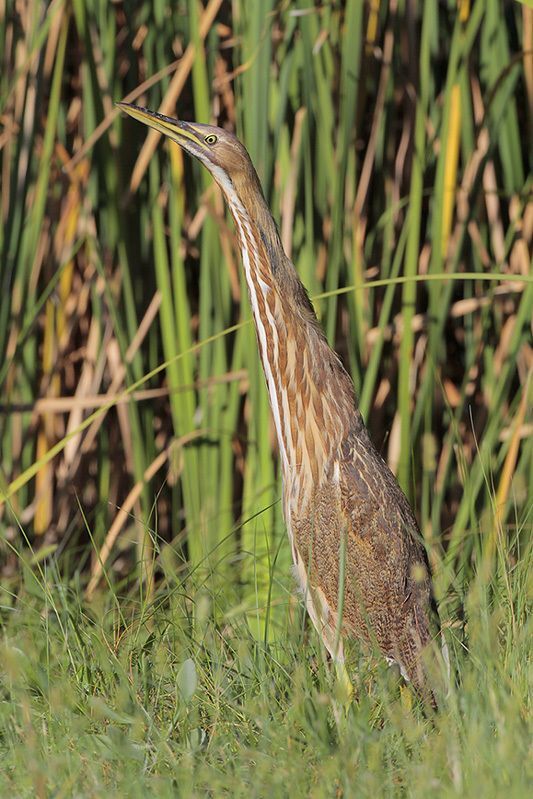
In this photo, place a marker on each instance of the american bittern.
(347, 518)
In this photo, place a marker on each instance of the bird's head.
(229, 163)
(218, 150)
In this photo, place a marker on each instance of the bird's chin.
(189, 147)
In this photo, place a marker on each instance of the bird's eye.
(211, 139)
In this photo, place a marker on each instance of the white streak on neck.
(250, 262)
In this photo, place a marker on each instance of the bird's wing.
(387, 563)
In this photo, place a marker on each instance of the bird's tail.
(429, 672)
(425, 663)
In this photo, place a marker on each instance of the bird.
(358, 555)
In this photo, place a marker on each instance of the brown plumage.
(343, 508)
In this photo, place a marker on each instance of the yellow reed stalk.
(464, 10)
(509, 466)
(450, 166)
(44, 477)
(64, 240)
(372, 25)
(54, 331)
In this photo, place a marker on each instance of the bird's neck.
(311, 395)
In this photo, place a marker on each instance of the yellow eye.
(211, 139)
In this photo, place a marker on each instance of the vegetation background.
(151, 639)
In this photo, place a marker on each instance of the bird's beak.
(183, 133)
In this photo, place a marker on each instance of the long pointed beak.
(183, 133)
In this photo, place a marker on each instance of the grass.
(151, 641)
(129, 697)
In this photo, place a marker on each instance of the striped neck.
(308, 388)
